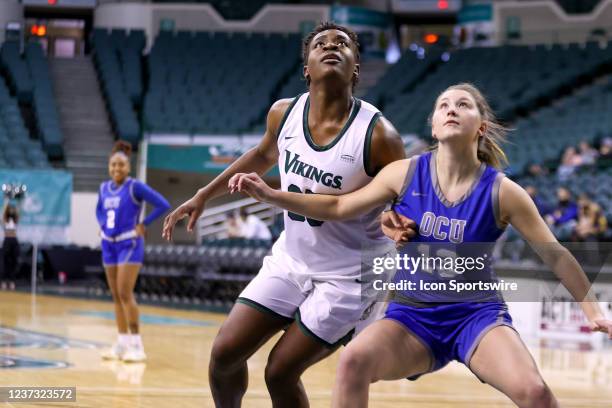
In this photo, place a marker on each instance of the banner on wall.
(373, 27)
(210, 157)
(44, 212)
(475, 26)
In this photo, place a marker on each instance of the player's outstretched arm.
(382, 189)
(518, 209)
(259, 159)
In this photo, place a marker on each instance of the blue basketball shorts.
(450, 331)
(129, 251)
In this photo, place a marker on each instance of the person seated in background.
(252, 227)
(588, 154)
(569, 162)
(563, 218)
(605, 153)
(233, 225)
(592, 224)
(537, 170)
(542, 206)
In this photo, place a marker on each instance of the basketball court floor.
(55, 341)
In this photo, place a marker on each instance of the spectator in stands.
(10, 247)
(569, 162)
(120, 204)
(605, 153)
(542, 206)
(563, 218)
(588, 154)
(592, 224)
(233, 225)
(252, 227)
(537, 170)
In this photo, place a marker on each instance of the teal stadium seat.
(196, 86)
(117, 57)
(18, 149)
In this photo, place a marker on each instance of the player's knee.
(534, 393)
(355, 366)
(278, 374)
(223, 353)
(125, 296)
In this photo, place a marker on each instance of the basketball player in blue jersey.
(324, 141)
(120, 205)
(459, 197)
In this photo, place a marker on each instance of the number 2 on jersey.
(110, 219)
(300, 218)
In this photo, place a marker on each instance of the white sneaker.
(134, 355)
(116, 352)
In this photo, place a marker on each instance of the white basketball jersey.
(329, 247)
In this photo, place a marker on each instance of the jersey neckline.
(354, 110)
(438, 190)
(116, 191)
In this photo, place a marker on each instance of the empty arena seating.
(18, 151)
(213, 273)
(200, 82)
(45, 109)
(517, 79)
(28, 79)
(118, 56)
(544, 135)
(403, 75)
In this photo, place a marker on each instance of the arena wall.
(10, 10)
(545, 22)
(203, 17)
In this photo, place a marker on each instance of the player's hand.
(191, 208)
(140, 230)
(250, 184)
(602, 325)
(397, 227)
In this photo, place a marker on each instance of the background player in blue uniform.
(119, 209)
(458, 197)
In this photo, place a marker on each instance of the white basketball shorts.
(329, 309)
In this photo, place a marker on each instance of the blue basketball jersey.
(118, 208)
(448, 231)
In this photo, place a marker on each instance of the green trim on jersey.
(286, 115)
(263, 309)
(367, 144)
(343, 341)
(311, 143)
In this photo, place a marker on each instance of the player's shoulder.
(279, 111)
(512, 194)
(367, 106)
(282, 105)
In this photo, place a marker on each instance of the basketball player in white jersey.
(324, 141)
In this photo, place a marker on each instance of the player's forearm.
(317, 206)
(251, 161)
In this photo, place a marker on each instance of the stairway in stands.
(84, 121)
(370, 71)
